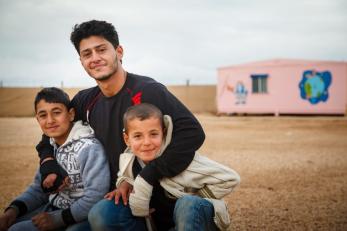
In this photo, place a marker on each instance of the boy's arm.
(32, 198)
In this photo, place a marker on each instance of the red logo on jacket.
(136, 99)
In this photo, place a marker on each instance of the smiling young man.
(103, 106)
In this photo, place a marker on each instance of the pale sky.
(170, 41)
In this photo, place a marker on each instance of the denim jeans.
(106, 216)
(24, 223)
(191, 213)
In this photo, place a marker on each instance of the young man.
(79, 154)
(147, 133)
(104, 105)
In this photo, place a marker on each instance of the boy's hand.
(7, 219)
(44, 222)
(140, 198)
(123, 191)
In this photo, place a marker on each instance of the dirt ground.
(293, 169)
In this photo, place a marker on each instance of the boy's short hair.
(142, 112)
(52, 95)
(94, 28)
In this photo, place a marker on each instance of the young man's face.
(55, 120)
(144, 138)
(99, 58)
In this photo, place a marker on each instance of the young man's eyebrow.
(96, 47)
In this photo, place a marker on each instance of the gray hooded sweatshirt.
(83, 158)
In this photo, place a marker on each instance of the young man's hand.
(54, 177)
(48, 182)
(7, 219)
(44, 222)
(123, 190)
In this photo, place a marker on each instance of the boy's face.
(55, 120)
(99, 58)
(144, 138)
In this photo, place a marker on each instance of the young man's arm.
(187, 137)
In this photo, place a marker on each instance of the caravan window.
(259, 83)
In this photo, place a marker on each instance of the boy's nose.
(147, 140)
(50, 119)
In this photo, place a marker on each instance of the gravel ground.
(293, 169)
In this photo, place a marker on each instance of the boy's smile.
(144, 138)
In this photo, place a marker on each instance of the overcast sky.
(171, 41)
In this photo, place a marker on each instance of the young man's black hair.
(94, 28)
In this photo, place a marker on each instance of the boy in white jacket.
(147, 133)
(79, 154)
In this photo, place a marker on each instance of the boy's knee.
(106, 213)
(189, 201)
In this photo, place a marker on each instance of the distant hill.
(18, 102)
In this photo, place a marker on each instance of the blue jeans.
(106, 216)
(191, 213)
(24, 222)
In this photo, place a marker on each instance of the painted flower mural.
(314, 86)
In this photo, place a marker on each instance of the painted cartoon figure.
(240, 93)
(314, 86)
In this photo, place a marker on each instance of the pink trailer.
(283, 86)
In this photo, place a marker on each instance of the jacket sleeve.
(32, 198)
(187, 136)
(96, 181)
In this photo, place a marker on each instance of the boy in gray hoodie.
(79, 154)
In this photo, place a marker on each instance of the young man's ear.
(126, 138)
(72, 114)
(119, 51)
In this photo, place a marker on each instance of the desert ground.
(293, 169)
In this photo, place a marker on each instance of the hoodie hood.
(167, 139)
(77, 132)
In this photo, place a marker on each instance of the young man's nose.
(95, 56)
